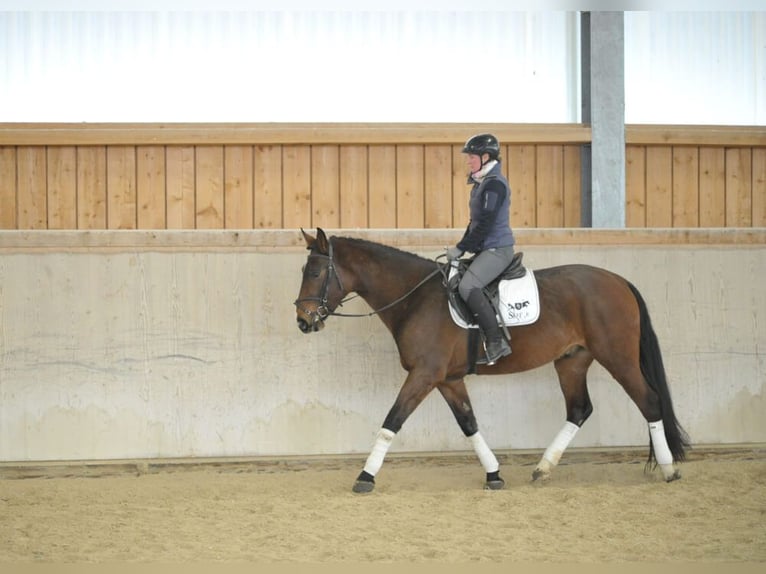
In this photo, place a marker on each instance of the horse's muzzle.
(310, 327)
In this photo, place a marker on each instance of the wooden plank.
(325, 186)
(32, 182)
(759, 187)
(635, 186)
(685, 135)
(437, 186)
(121, 187)
(267, 187)
(739, 187)
(282, 133)
(659, 186)
(91, 187)
(208, 187)
(296, 176)
(353, 186)
(522, 177)
(8, 205)
(382, 161)
(685, 186)
(572, 186)
(62, 187)
(410, 209)
(550, 186)
(180, 198)
(238, 187)
(461, 188)
(288, 241)
(712, 182)
(150, 187)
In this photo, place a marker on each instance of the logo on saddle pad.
(518, 302)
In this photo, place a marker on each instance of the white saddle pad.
(519, 302)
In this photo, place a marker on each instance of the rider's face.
(474, 162)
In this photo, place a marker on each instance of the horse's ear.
(310, 241)
(323, 244)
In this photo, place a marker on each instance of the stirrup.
(503, 351)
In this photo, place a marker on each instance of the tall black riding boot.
(496, 345)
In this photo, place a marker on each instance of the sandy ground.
(597, 508)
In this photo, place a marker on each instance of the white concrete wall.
(168, 349)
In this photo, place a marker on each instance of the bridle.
(323, 310)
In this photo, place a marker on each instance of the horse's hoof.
(541, 475)
(363, 487)
(496, 484)
(675, 476)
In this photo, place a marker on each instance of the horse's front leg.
(416, 387)
(456, 395)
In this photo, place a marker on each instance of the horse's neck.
(379, 280)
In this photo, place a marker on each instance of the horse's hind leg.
(572, 369)
(456, 395)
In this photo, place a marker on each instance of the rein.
(323, 311)
(388, 305)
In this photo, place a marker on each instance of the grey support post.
(603, 101)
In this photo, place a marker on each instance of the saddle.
(523, 308)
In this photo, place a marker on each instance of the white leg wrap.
(660, 443)
(485, 454)
(379, 450)
(560, 443)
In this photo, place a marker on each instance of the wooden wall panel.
(180, 203)
(91, 187)
(31, 177)
(739, 187)
(712, 190)
(659, 186)
(685, 186)
(296, 179)
(209, 211)
(150, 187)
(8, 204)
(268, 195)
(410, 212)
(572, 186)
(354, 175)
(413, 176)
(550, 186)
(759, 187)
(121, 187)
(62, 187)
(438, 186)
(382, 165)
(325, 186)
(635, 186)
(522, 177)
(238, 187)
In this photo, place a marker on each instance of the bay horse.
(586, 313)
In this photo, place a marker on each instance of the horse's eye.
(313, 273)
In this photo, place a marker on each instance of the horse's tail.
(653, 369)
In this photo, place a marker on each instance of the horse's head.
(321, 288)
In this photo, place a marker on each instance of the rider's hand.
(454, 253)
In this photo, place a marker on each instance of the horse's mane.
(380, 250)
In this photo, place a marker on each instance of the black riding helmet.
(481, 144)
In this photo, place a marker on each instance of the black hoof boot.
(365, 483)
(494, 482)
